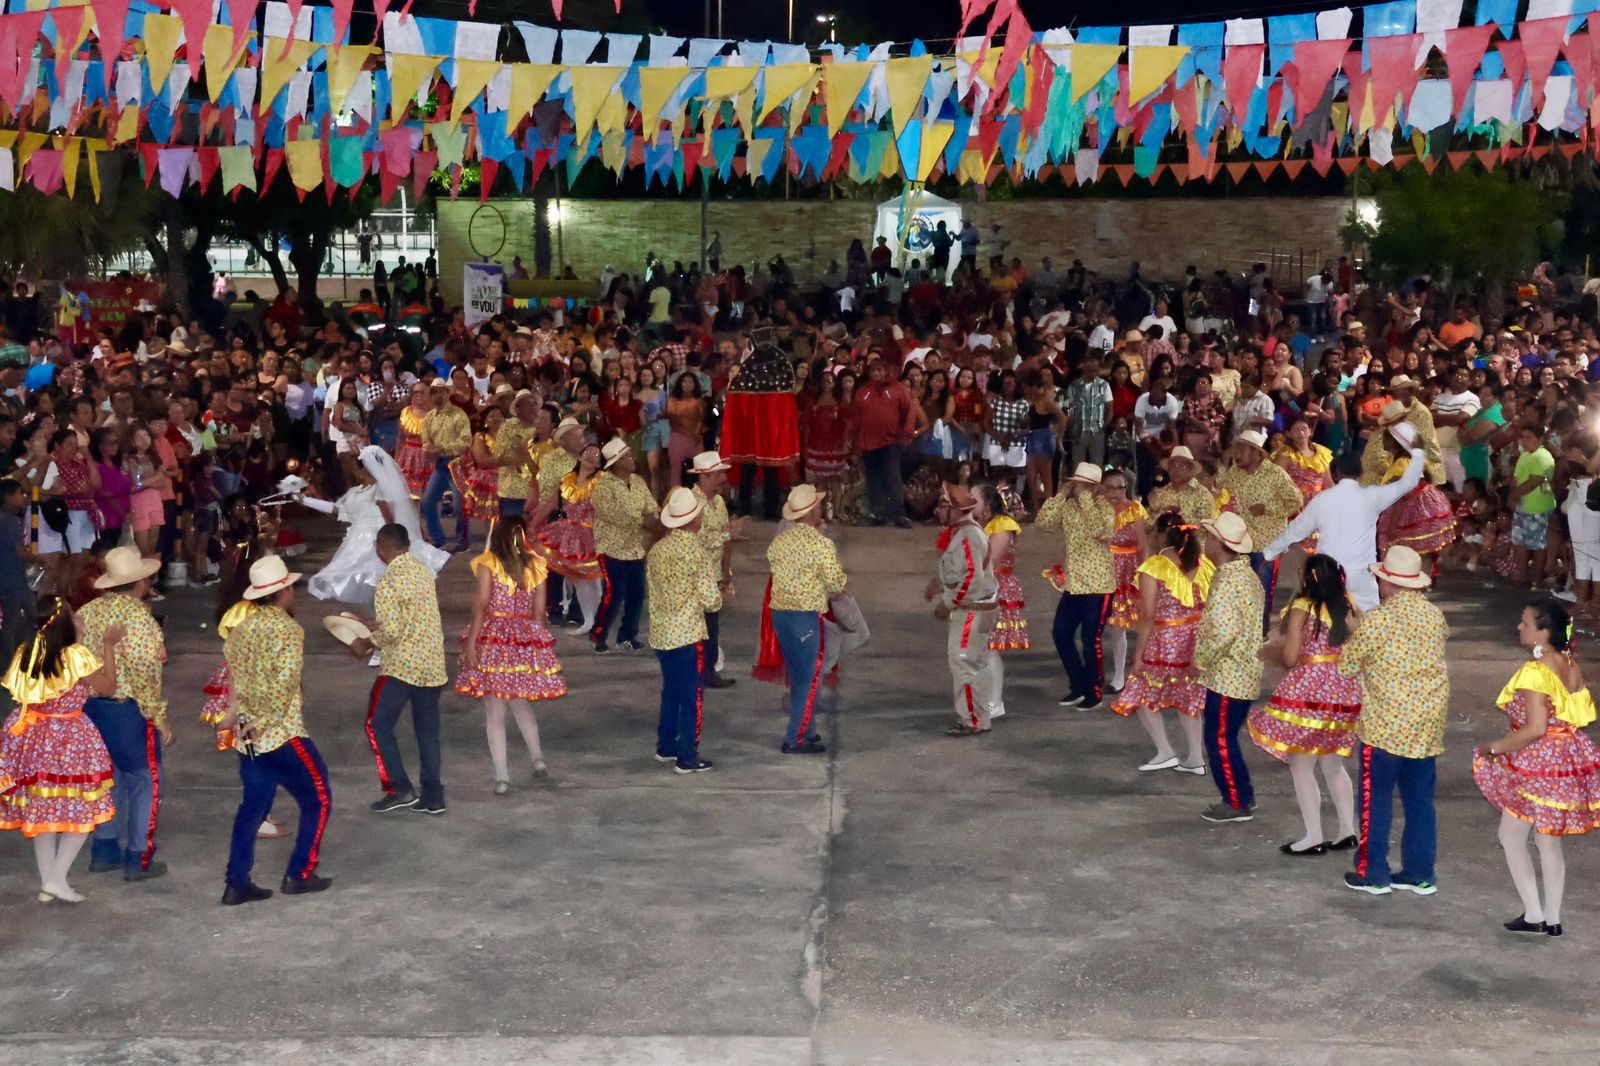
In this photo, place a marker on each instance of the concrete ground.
(1023, 898)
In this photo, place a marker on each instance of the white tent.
(928, 211)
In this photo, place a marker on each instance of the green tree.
(1466, 227)
(60, 236)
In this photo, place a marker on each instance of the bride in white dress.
(352, 574)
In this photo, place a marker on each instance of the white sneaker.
(1566, 597)
(1159, 764)
(1198, 771)
(374, 661)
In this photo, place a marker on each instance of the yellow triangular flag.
(277, 68)
(843, 83)
(986, 70)
(28, 144)
(127, 125)
(219, 58)
(161, 46)
(935, 136)
(590, 87)
(69, 163)
(907, 79)
(344, 66)
(305, 163)
(972, 168)
(744, 107)
(722, 82)
(613, 114)
(407, 74)
(1090, 63)
(94, 170)
(755, 156)
(656, 86)
(528, 82)
(472, 77)
(613, 148)
(891, 168)
(782, 82)
(1149, 66)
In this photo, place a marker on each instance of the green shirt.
(1538, 464)
(1475, 457)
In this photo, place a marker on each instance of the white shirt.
(1154, 418)
(1247, 414)
(1317, 289)
(1102, 339)
(1454, 403)
(1345, 520)
(481, 384)
(1169, 328)
(847, 298)
(1583, 525)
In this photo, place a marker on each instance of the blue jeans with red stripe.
(623, 595)
(297, 766)
(1224, 715)
(389, 698)
(682, 686)
(1080, 620)
(1381, 773)
(1267, 572)
(800, 636)
(135, 749)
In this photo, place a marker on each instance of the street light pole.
(705, 152)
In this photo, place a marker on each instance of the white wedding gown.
(352, 574)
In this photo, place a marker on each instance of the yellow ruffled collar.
(77, 663)
(1575, 708)
(1128, 515)
(1002, 524)
(235, 615)
(411, 421)
(572, 492)
(1182, 587)
(533, 570)
(1320, 461)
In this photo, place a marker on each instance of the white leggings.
(495, 723)
(1514, 839)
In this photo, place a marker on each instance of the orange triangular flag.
(1293, 167)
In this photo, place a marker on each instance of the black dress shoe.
(1344, 844)
(1553, 930)
(296, 886)
(718, 681)
(807, 747)
(1315, 849)
(1520, 924)
(234, 895)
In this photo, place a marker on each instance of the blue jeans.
(800, 635)
(389, 697)
(1381, 774)
(386, 434)
(1079, 623)
(682, 681)
(298, 767)
(624, 595)
(135, 749)
(713, 633)
(1224, 715)
(1267, 574)
(438, 482)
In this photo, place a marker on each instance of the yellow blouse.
(411, 421)
(1128, 515)
(534, 570)
(572, 492)
(1002, 524)
(1574, 708)
(77, 663)
(1182, 587)
(1320, 461)
(235, 614)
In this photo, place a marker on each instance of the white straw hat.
(268, 575)
(802, 499)
(1230, 529)
(125, 566)
(1401, 566)
(682, 507)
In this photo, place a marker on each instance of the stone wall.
(1293, 233)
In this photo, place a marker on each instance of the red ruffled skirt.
(1011, 621)
(413, 464)
(1423, 521)
(1313, 711)
(55, 775)
(516, 660)
(1164, 678)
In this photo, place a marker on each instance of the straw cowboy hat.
(179, 348)
(502, 389)
(959, 498)
(1253, 437)
(802, 499)
(440, 383)
(1086, 474)
(346, 630)
(707, 463)
(1401, 381)
(1229, 528)
(567, 425)
(612, 450)
(1401, 566)
(683, 507)
(268, 575)
(125, 566)
(1393, 412)
(1180, 452)
(1405, 433)
(1133, 336)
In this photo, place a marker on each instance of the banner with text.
(483, 288)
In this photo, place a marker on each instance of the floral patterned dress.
(1124, 562)
(1314, 709)
(1553, 783)
(1423, 520)
(1011, 620)
(1309, 474)
(479, 486)
(55, 772)
(516, 656)
(570, 541)
(408, 452)
(1164, 678)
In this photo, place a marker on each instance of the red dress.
(478, 486)
(1314, 709)
(1165, 676)
(1011, 619)
(516, 656)
(1423, 520)
(570, 541)
(55, 773)
(1124, 561)
(827, 442)
(1553, 783)
(408, 453)
(1309, 476)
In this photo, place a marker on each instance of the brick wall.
(1293, 233)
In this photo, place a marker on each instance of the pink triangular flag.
(1241, 68)
(45, 170)
(241, 16)
(1516, 66)
(69, 24)
(1463, 53)
(1541, 43)
(1394, 71)
(1317, 63)
(422, 166)
(341, 19)
(110, 18)
(196, 16)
